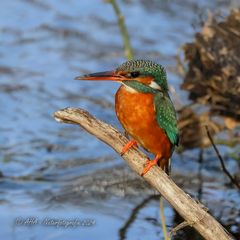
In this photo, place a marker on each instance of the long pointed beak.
(108, 76)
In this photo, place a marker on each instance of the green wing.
(166, 116)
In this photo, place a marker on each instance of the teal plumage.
(166, 116)
(164, 109)
(144, 108)
(147, 68)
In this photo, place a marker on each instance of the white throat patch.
(129, 89)
(154, 85)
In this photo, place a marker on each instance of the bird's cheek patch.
(145, 80)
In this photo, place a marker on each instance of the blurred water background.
(57, 171)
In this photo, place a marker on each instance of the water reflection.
(49, 169)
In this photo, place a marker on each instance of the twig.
(179, 227)
(189, 209)
(232, 179)
(164, 227)
(127, 47)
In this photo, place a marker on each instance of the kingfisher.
(144, 108)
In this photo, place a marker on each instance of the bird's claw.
(129, 145)
(149, 164)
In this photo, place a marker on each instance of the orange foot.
(149, 164)
(129, 145)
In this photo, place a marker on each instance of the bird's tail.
(169, 166)
(165, 165)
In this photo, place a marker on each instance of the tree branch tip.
(70, 110)
(57, 119)
(63, 114)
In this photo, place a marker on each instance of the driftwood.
(192, 128)
(212, 78)
(194, 213)
(213, 75)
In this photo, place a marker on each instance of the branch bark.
(194, 213)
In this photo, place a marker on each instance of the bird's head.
(146, 72)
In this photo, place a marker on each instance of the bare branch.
(189, 209)
(180, 226)
(232, 179)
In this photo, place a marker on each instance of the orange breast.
(136, 113)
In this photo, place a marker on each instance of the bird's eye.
(134, 74)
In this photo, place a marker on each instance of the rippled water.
(57, 171)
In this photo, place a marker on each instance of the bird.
(144, 109)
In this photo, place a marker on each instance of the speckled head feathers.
(146, 68)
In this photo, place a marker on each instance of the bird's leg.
(130, 144)
(150, 163)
